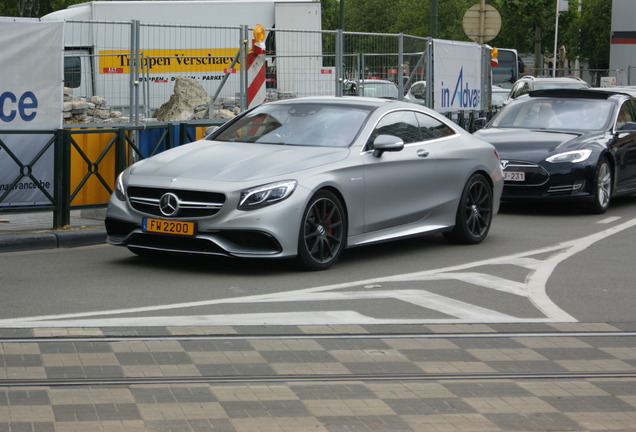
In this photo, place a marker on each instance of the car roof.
(551, 79)
(623, 90)
(338, 100)
(573, 93)
(366, 81)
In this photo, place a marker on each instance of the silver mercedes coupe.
(306, 178)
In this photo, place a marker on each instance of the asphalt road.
(539, 264)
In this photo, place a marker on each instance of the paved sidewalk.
(192, 382)
(34, 230)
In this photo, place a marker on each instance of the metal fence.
(132, 67)
(86, 162)
(118, 74)
(590, 76)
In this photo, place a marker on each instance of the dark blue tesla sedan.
(567, 145)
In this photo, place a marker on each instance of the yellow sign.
(169, 60)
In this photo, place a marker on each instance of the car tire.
(474, 212)
(323, 231)
(603, 187)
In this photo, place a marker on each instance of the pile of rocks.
(189, 101)
(89, 110)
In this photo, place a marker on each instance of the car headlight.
(120, 191)
(571, 156)
(265, 195)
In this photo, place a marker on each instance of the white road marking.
(534, 289)
(261, 319)
(609, 220)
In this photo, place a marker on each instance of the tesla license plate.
(168, 226)
(517, 176)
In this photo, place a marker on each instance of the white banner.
(31, 98)
(456, 76)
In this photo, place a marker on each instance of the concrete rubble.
(189, 101)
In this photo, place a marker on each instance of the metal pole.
(131, 73)
(429, 74)
(482, 21)
(401, 66)
(339, 61)
(244, 66)
(433, 18)
(137, 68)
(342, 9)
(556, 38)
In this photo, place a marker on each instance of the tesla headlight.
(120, 191)
(571, 156)
(265, 195)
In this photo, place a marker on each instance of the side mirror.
(209, 131)
(383, 143)
(480, 123)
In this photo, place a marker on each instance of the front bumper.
(549, 182)
(271, 231)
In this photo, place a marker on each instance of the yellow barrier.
(92, 145)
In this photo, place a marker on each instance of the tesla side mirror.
(480, 123)
(384, 143)
(210, 130)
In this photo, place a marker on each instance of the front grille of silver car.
(191, 203)
(535, 175)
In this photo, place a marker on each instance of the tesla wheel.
(322, 232)
(474, 213)
(602, 187)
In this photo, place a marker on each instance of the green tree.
(33, 8)
(589, 33)
(330, 10)
(527, 26)
(374, 16)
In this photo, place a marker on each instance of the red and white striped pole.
(256, 89)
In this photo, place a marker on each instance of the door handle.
(422, 153)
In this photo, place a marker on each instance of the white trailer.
(199, 39)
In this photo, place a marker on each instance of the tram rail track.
(260, 379)
(128, 338)
(325, 378)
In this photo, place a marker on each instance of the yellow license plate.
(168, 226)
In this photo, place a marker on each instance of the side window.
(72, 72)
(626, 116)
(400, 124)
(431, 128)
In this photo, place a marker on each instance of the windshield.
(298, 124)
(556, 114)
(498, 98)
(507, 70)
(380, 90)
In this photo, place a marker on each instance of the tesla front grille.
(534, 175)
(186, 204)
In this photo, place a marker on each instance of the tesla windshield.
(298, 124)
(556, 114)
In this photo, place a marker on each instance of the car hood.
(530, 144)
(232, 161)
